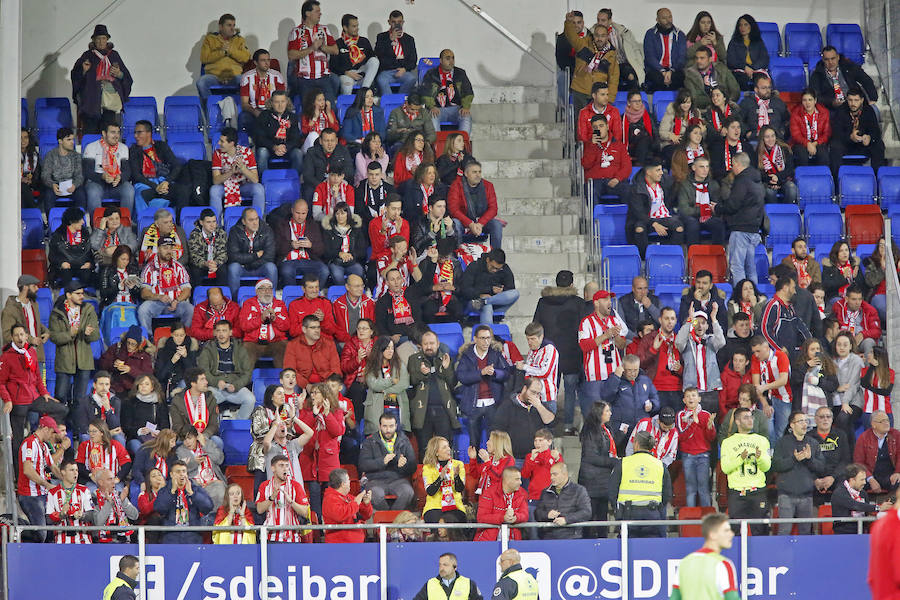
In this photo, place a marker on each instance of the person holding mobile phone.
(396, 52)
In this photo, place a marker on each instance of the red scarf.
(812, 126)
(215, 315)
(401, 309)
(149, 161)
(612, 443)
(692, 154)
(800, 265)
(773, 160)
(836, 84)
(368, 121)
(718, 119)
(110, 163)
(30, 362)
(846, 270)
(283, 125)
(73, 314)
(747, 309)
(263, 91)
(448, 500)
(699, 359)
(298, 231)
(412, 115)
(666, 60)
(444, 274)
(738, 150)
(658, 208)
(427, 191)
(702, 201)
(73, 237)
(159, 463)
(356, 54)
(198, 415)
(762, 113)
(414, 160)
(398, 49)
(111, 240)
(103, 66)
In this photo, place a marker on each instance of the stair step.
(560, 205)
(526, 167)
(537, 112)
(519, 94)
(532, 187)
(502, 149)
(538, 281)
(518, 131)
(554, 224)
(544, 244)
(538, 262)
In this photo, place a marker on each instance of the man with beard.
(167, 288)
(661, 360)
(808, 270)
(432, 406)
(763, 107)
(264, 321)
(22, 309)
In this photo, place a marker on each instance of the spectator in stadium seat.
(720, 108)
(196, 408)
(675, 123)
(599, 105)
(372, 190)
(638, 133)
(398, 309)
(488, 284)
(207, 250)
(665, 54)
(345, 243)
(127, 360)
(836, 452)
(166, 288)
(448, 93)
(355, 61)
(835, 75)
(215, 308)
(323, 157)
(595, 61)
(204, 463)
(61, 173)
(264, 323)
(859, 318)
(746, 299)
(276, 133)
(353, 306)
(155, 171)
(30, 169)
(339, 507)
(628, 51)
(145, 403)
(702, 373)
(331, 192)
(386, 226)
(388, 460)
(808, 270)
(689, 147)
(776, 162)
(101, 83)
(251, 250)
(565, 56)
(361, 120)
(234, 173)
(445, 482)
(23, 309)
(810, 131)
(840, 270)
(387, 381)
(505, 503)
(403, 122)
(70, 254)
(163, 227)
(113, 510)
(746, 398)
(606, 162)
(419, 190)
(434, 227)
(299, 246)
(722, 153)
(652, 205)
(433, 408)
(856, 130)
(564, 502)
(779, 322)
(747, 55)
(312, 355)
(704, 34)
(317, 115)
(706, 75)
(396, 52)
(400, 258)
(223, 55)
(257, 86)
(698, 195)
(878, 450)
(109, 235)
(175, 355)
(108, 170)
(472, 202)
(182, 503)
(702, 296)
(228, 368)
(798, 462)
(849, 397)
(738, 336)
(764, 107)
(439, 287)
(743, 211)
(412, 155)
(312, 303)
(309, 46)
(661, 360)
(73, 327)
(850, 499)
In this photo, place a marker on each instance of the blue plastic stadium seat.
(291, 293)
(336, 291)
(88, 138)
(426, 64)
(815, 185)
(189, 215)
(146, 219)
(52, 113)
(236, 437)
(762, 266)
(232, 216)
(32, 229)
(661, 100)
(779, 252)
(182, 114)
(665, 264)
(45, 304)
(500, 330)
(669, 294)
(864, 251)
(623, 97)
(824, 225)
(857, 184)
(275, 174)
(139, 108)
(771, 37)
(803, 40)
(848, 39)
(344, 102)
(450, 334)
(199, 292)
(784, 224)
(889, 186)
(186, 151)
(788, 73)
(389, 102)
(54, 219)
(622, 263)
(281, 191)
(609, 222)
(245, 292)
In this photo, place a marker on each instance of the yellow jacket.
(582, 79)
(430, 475)
(227, 537)
(216, 62)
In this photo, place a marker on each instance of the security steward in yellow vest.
(125, 582)
(515, 583)
(641, 485)
(448, 584)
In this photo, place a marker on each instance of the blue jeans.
(407, 81)
(592, 390)
(299, 86)
(35, 508)
(742, 255)
(503, 300)
(287, 271)
(236, 271)
(493, 229)
(601, 187)
(210, 81)
(263, 155)
(150, 309)
(64, 386)
(254, 190)
(879, 301)
(451, 113)
(788, 194)
(575, 395)
(97, 192)
(779, 421)
(696, 478)
(242, 397)
(339, 272)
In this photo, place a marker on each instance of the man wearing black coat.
(155, 170)
(855, 130)
(277, 134)
(565, 56)
(70, 251)
(743, 211)
(764, 98)
(651, 208)
(325, 156)
(845, 502)
(836, 75)
(639, 305)
(562, 503)
(299, 244)
(251, 251)
(488, 284)
(388, 460)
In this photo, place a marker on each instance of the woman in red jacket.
(414, 152)
(810, 131)
(353, 363)
(321, 455)
(340, 508)
(497, 457)
(154, 482)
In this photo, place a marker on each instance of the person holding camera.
(606, 162)
(601, 336)
(340, 508)
(396, 52)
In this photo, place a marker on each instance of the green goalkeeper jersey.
(706, 575)
(750, 472)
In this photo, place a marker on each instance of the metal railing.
(9, 469)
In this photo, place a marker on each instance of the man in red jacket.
(661, 360)
(386, 226)
(340, 508)
(606, 162)
(353, 306)
(313, 357)
(884, 557)
(472, 203)
(878, 450)
(215, 308)
(599, 106)
(859, 318)
(22, 387)
(504, 503)
(311, 303)
(264, 321)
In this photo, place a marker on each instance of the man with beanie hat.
(127, 361)
(101, 82)
(264, 321)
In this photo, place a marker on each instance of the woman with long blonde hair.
(445, 482)
(234, 512)
(494, 459)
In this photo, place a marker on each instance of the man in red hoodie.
(312, 356)
(504, 503)
(22, 387)
(264, 321)
(606, 162)
(215, 308)
(599, 106)
(340, 508)
(386, 226)
(859, 318)
(311, 303)
(661, 360)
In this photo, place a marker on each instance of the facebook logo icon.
(155, 573)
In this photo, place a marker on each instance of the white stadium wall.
(160, 40)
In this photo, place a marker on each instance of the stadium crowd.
(153, 344)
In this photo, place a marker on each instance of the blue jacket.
(351, 129)
(653, 50)
(627, 399)
(199, 504)
(469, 376)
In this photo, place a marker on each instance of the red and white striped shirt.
(873, 401)
(770, 370)
(543, 364)
(95, 456)
(78, 498)
(259, 89)
(281, 513)
(658, 208)
(38, 454)
(166, 279)
(599, 361)
(405, 267)
(315, 64)
(666, 448)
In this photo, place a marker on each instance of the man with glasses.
(878, 450)
(798, 462)
(155, 170)
(833, 77)
(835, 450)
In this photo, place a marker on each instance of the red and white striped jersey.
(95, 456)
(281, 513)
(599, 362)
(78, 498)
(38, 454)
(259, 89)
(770, 370)
(666, 448)
(406, 267)
(166, 279)
(315, 64)
(873, 401)
(543, 363)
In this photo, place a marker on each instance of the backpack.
(115, 319)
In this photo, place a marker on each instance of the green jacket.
(73, 352)
(446, 381)
(14, 314)
(208, 360)
(725, 81)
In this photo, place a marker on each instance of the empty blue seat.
(788, 73)
(232, 216)
(824, 225)
(848, 39)
(185, 136)
(659, 107)
(245, 292)
(52, 113)
(182, 113)
(54, 219)
(621, 264)
(139, 108)
(784, 223)
(771, 37)
(803, 40)
(665, 264)
(857, 184)
(281, 191)
(669, 294)
(609, 224)
(88, 138)
(344, 102)
(291, 293)
(426, 64)
(45, 305)
(236, 437)
(336, 291)
(189, 150)
(864, 251)
(189, 215)
(500, 330)
(779, 252)
(761, 259)
(32, 229)
(275, 174)
(199, 293)
(450, 334)
(815, 185)
(889, 186)
(389, 102)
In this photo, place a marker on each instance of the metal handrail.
(9, 491)
(510, 36)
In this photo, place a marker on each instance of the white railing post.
(504, 537)
(264, 561)
(382, 561)
(744, 560)
(142, 560)
(625, 573)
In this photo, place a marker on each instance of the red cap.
(48, 421)
(603, 294)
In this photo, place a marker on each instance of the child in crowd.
(696, 431)
(537, 466)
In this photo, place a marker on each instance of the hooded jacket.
(332, 240)
(744, 208)
(19, 384)
(14, 314)
(559, 311)
(313, 363)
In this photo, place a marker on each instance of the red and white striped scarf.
(728, 158)
(110, 162)
(413, 160)
(30, 362)
(401, 309)
(773, 160)
(700, 359)
(448, 90)
(398, 49)
(103, 66)
(197, 411)
(298, 231)
(658, 208)
(73, 238)
(762, 113)
(812, 126)
(283, 124)
(719, 119)
(702, 201)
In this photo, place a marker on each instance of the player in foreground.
(706, 574)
